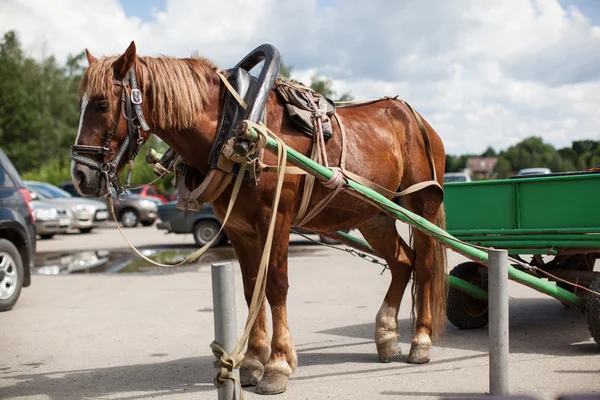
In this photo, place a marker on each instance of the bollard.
(223, 289)
(498, 317)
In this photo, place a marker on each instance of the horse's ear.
(91, 59)
(125, 62)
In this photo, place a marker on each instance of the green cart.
(551, 222)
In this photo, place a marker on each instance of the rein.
(130, 108)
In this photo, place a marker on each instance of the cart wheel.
(592, 309)
(464, 311)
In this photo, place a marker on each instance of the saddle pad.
(300, 108)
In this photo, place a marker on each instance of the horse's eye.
(103, 104)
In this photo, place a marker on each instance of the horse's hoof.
(419, 353)
(387, 351)
(273, 382)
(251, 371)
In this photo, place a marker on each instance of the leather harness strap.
(301, 217)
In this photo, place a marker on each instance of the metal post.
(498, 317)
(223, 289)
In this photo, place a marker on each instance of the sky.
(483, 73)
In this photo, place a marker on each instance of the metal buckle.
(136, 96)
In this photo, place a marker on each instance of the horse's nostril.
(79, 176)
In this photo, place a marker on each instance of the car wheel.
(147, 223)
(129, 218)
(11, 275)
(205, 231)
(47, 236)
(85, 230)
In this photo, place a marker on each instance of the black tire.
(11, 275)
(129, 218)
(147, 223)
(592, 309)
(47, 236)
(464, 311)
(205, 230)
(85, 230)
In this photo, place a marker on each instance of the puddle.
(126, 261)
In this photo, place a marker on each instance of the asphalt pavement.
(142, 336)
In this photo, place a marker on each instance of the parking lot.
(145, 333)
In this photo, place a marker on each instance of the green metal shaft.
(562, 238)
(513, 244)
(325, 174)
(455, 282)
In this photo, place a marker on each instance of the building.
(482, 167)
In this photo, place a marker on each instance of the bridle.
(130, 108)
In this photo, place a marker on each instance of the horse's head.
(111, 122)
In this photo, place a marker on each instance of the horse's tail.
(439, 283)
(439, 286)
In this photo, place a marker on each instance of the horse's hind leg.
(247, 249)
(429, 264)
(380, 232)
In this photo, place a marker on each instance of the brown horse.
(182, 102)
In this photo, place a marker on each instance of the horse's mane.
(178, 86)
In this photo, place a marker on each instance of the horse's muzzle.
(88, 181)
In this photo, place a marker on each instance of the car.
(130, 212)
(50, 219)
(17, 234)
(87, 213)
(456, 177)
(135, 209)
(203, 225)
(534, 171)
(153, 191)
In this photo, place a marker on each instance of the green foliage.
(285, 71)
(533, 152)
(55, 171)
(38, 109)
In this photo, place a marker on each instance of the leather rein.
(130, 108)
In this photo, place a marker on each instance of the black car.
(17, 234)
(203, 224)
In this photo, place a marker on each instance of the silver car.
(50, 219)
(87, 213)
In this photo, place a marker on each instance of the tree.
(285, 71)
(325, 87)
(489, 152)
(38, 107)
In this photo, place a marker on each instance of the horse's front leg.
(248, 251)
(283, 360)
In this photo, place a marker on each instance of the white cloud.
(483, 73)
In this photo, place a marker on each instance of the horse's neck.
(194, 144)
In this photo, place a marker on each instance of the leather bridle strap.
(129, 107)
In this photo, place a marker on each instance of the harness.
(130, 108)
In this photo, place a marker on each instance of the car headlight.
(83, 208)
(45, 213)
(148, 204)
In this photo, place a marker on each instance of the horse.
(182, 103)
